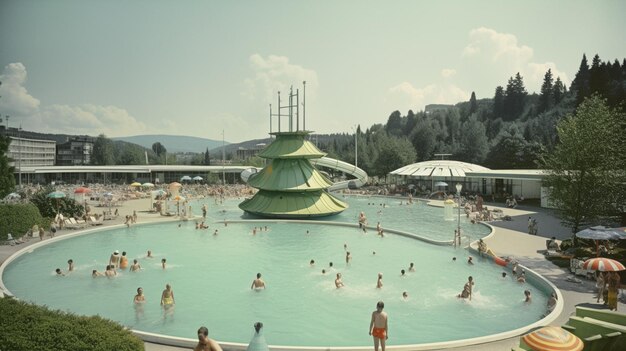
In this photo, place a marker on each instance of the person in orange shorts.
(378, 326)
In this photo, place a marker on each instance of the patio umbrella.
(136, 184)
(602, 233)
(553, 339)
(198, 178)
(178, 198)
(175, 185)
(603, 264)
(147, 185)
(56, 195)
(185, 178)
(441, 184)
(82, 190)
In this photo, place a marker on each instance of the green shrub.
(25, 326)
(17, 219)
(48, 207)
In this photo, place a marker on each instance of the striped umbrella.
(553, 339)
(603, 265)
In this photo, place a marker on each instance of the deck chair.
(94, 222)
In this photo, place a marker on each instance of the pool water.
(211, 277)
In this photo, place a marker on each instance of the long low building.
(128, 174)
(430, 176)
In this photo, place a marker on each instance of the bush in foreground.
(25, 326)
(17, 219)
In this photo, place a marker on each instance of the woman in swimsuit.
(167, 297)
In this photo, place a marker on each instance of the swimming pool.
(211, 277)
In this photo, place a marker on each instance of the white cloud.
(498, 56)
(15, 100)
(276, 73)
(84, 119)
(405, 96)
(496, 46)
(87, 119)
(448, 72)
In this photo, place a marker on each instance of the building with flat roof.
(76, 151)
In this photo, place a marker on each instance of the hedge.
(17, 219)
(25, 326)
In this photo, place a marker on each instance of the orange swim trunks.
(379, 333)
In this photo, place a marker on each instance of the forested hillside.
(506, 131)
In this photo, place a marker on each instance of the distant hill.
(232, 148)
(174, 143)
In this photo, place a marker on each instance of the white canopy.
(438, 168)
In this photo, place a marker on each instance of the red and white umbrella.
(82, 190)
(603, 264)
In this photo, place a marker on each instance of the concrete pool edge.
(537, 279)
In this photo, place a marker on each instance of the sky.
(203, 68)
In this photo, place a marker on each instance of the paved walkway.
(510, 239)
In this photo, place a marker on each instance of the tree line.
(507, 131)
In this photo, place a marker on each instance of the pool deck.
(509, 239)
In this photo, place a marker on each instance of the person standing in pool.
(258, 283)
(167, 299)
(123, 260)
(135, 266)
(379, 283)
(467, 289)
(205, 343)
(379, 326)
(338, 282)
(114, 260)
(348, 257)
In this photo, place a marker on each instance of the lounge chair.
(94, 222)
(68, 224)
(602, 315)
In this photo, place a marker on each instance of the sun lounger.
(68, 224)
(587, 327)
(94, 222)
(602, 315)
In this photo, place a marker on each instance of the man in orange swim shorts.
(378, 326)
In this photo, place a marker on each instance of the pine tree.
(473, 103)
(546, 98)
(515, 97)
(558, 91)
(580, 85)
(498, 103)
(207, 158)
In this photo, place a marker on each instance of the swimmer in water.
(135, 266)
(411, 267)
(338, 282)
(323, 271)
(70, 264)
(469, 260)
(258, 283)
(163, 262)
(149, 254)
(405, 295)
(95, 273)
(402, 273)
(348, 257)
(139, 298)
(528, 299)
(312, 263)
(379, 282)
(467, 289)
(59, 272)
